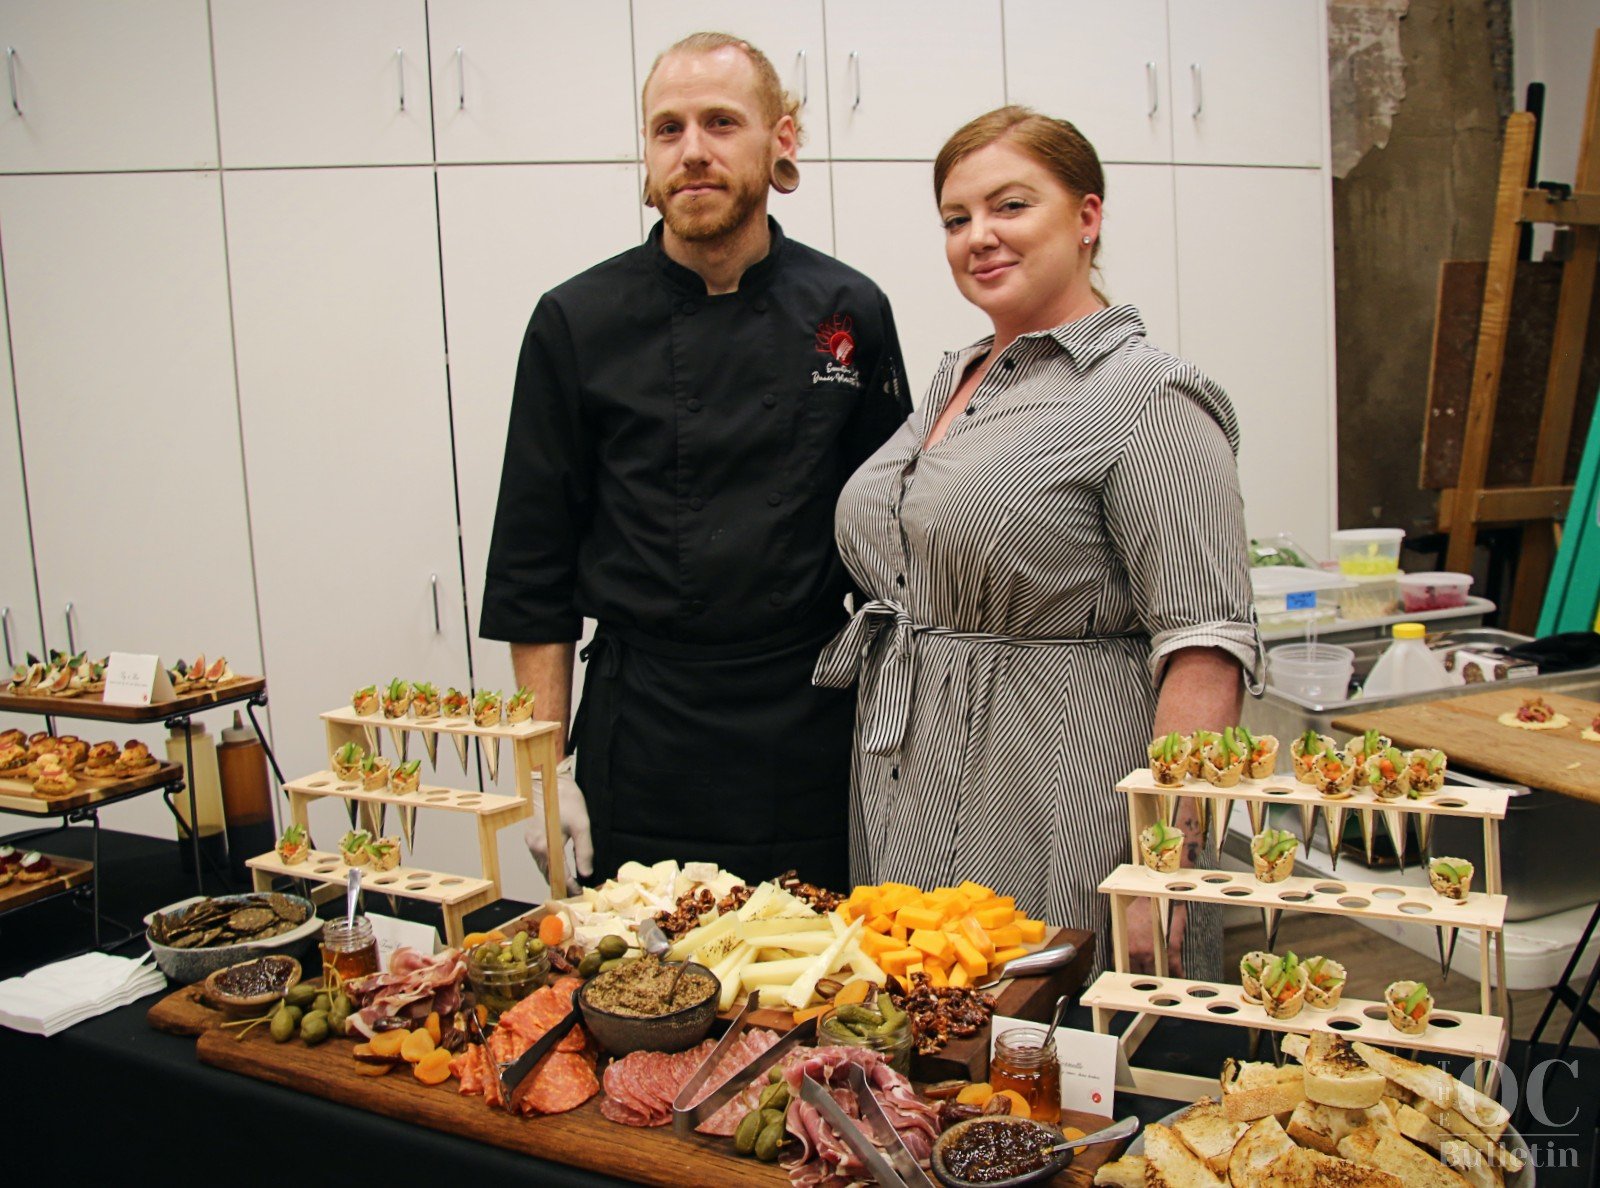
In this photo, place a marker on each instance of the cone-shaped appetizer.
(455, 703)
(374, 744)
(1424, 831)
(1223, 765)
(1409, 1005)
(353, 847)
(1221, 812)
(1451, 877)
(1164, 915)
(491, 756)
(1169, 760)
(424, 700)
(1263, 758)
(1364, 745)
(347, 761)
(486, 708)
(365, 700)
(396, 699)
(1269, 926)
(461, 741)
(519, 706)
(1272, 851)
(384, 853)
(1308, 822)
(374, 773)
(1446, 938)
(1305, 751)
(408, 827)
(1395, 822)
(1325, 980)
(430, 740)
(1369, 834)
(1336, 774)
(406, 778)
(1424, 772)
(1161, 847)
(1198, 742)
(1169, 808)
(1283, 987)
(1256, 810)
(293, 845)
(402, 742)
(1333, 821)
(1251, 967)
(1383, 773)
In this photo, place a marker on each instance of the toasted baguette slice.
(1293, 1045)
(1321, 1127)
(1336, 1076)
(1170, 1164)
(1206, 1131)
(1393, 1154)
(1260, 1147)
(1449, 1124)
(1301, 1168)
(1439, 1087)
(1127, 1172)
(1257, 1074)
(1474, 1168)
(1258, 1090)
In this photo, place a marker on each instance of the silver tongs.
(878, 1146)
(686, 1118)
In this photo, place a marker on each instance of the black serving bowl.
(1037, 1176)
(674, 1032)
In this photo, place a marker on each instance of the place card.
(133, 679)
(392, 934)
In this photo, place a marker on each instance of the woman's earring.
(1086, 241)
(785, 176)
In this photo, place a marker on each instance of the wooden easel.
(1540, 505)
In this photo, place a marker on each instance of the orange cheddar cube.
(1004, 955)
(875, 943)
(900, 932)
(1032, 930)
(938, 977)
(933, 943)
(976, 936)
(1006, 937)
(919, 918)
(895, 960)
(915, 967)
(968, 959)
(959, 978)
(995, 917)
(975, 891)
(847, 912)
(880, 924)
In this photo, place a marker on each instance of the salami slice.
(466, 1069)
(563, 1081)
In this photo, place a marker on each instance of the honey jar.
(348, 949)
(1025, 1064)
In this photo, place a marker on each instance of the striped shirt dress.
(1026, 581)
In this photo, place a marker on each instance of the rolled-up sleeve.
(545, 494)
(1176, 517)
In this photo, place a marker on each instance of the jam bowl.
(997, 1152)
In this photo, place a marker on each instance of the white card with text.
(132, 679)
(392, 934)
(1088, 1065)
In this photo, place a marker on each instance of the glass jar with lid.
(1024, 1063)
(880, 1026)
(349, 950)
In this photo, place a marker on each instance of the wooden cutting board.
(92, 707)
(70, 872)
(1468, 731)
(583, 1138)
(18, 796)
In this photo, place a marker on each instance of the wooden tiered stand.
(1482, 1037)
(533, 746)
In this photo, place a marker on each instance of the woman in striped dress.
(1053, 550)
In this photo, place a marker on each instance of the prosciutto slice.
(825, 1161)
(413, 987)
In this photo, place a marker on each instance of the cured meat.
(824, 1159)
(413, 986)
(562, 1082)
(641, 1087)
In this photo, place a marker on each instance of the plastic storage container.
(1312, 671)
(1407, 666)
(1370, 597)
(1287, 597)
(1434, 591)
(1368, 552)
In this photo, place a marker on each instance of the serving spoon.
(1126, 1128)
(655, 942)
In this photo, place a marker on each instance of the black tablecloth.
(112, 1096)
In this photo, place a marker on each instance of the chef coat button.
(770, 400)
(894, 773)
(697, 606)
(776, 598)
(696, 503)
(775, 498)
(687, 308)
(692, 404)
(900, 580)
(1008, 364)
(968, 412)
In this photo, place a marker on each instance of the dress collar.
(1084, 340)
(690, 283)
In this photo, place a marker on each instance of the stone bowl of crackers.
(194, 938)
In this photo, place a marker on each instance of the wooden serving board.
(18, 796)
(70, 872)
(91, 707)
(583, 1138)
(183, 1012)
(1467, 730)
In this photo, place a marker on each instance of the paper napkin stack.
(54, 997)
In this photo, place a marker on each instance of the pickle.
(769, 1140)
(519, 947)
(590, 965)
(535, 948)
(744, 1139)
(611, 946)
(774, 1097)
(854, 1013)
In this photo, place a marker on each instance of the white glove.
(574, 826)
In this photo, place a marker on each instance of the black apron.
(712, 754)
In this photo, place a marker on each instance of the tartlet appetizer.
(10, 858)
(455, 704)
(396, 699)
(519, 706)
(1251, 966)
(13, 738)
(1304, 753)
(384, 853)
(1283, 987)
(1325, 980)
(39, 742)
(486, 708)
(72, 750)
(347, 761)
(5, 875)
(1360, 748)
(365, 700)
(135, 758)
(1424, 773)
(1272, 851)
(1336, 774)
(1384, 774)
(44, 747)
(1199, 741)
(406, 778)
(97, 676)
(101, 762)
(55, 778)
(353, 847)
(1169, 760)
(425, 700)
(1592, 730)
(1161, 847)
(1535, 714)
(35, 867)
(1451, 877)
(26, 678)
(1262, 760)
(1409, 1005)
(13, 759)
(1223, 765)
(374, 773)
(293, 845)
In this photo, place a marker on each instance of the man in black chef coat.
(684, 416)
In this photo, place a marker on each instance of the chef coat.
(671, 469)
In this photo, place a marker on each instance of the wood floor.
(1373, 961)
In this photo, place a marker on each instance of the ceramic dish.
(1037, 1176)
(194, 965)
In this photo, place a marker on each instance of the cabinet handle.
(400, 69)
(1150, 88)
(1199, 96)
(461, 79)
(433, 581)
(5, 628)
(855, 75)
(11, 77)
(72, 644)
(804, 69)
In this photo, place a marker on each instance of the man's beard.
(694, 223)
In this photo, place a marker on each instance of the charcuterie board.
(90, 707)
(17, 795)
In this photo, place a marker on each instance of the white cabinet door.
(303, 82)
(788, 32)
(532, 80)
(347, 438)
(19, 595)
(118, 303)
(904, 74)
(1256, 318)
(1249, 82)
(1138, 258)
(106, 84)
(1101, 66)
(887, 226)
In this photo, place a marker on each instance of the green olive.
(322, 1002)
(294, 1014)
(744, 1139)
(282, 1027)
(609, 965)
(590, 965)
(314, 1028)
(774, 1097)
(611, 945)
(769, 1140)
(535, 948)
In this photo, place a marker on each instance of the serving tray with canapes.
(92, 707)
(18, 795)
(66, 873)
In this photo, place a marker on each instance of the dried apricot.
(976, 1094)
(389, 1043)
(417, 1045)
(552, 930)
(432, 1027)
(855, 990)
(371, 1070)
(1019, 1104)
(434, 1068)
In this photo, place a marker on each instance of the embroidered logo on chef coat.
(834, 339)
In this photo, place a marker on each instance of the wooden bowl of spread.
(626, 1008)
(997, 1152)
(249, 987)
